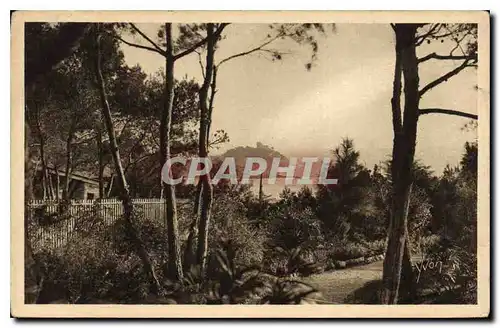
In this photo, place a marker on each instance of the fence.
(49, 229)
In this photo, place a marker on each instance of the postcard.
(209, 164)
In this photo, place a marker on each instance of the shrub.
(290, 292)
(456, 275)
(340, 264)
(151, 232)
(293, 222)
(356, 261)
(99, 263)
(288, 262)
(234, 284)
(226, 282)
(375, 247)
(348, 251)
(230, 224)
(76, 273)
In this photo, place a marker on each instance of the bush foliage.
(259, 249)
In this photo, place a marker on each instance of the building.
(81, 186)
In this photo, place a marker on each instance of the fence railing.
(52, 223)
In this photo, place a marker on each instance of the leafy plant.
(234, 284)
(289, 292)
(348, 251)
(295, 262)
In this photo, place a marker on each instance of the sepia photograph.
(255, 164)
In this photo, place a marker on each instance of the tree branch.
(156, 46)
(420, 39)
(445, 77)
(448, 112)
(198, 44)
(201, 64)
(443, 57)
(140, 46)
(162, 52)
(244, 53)
(443, 35)
(137, 161)
(215, 142)
(219, 29)
(458, 45)
(127, 120)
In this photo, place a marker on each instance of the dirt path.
(336, 285)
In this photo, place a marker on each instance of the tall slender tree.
(174, 266)
(408, 37)
(186, 45)
(207, 189)
(125, 194)
(298, 33)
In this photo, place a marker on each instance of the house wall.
(78, 189)
(85, 190)
(91, 191)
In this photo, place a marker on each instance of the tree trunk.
(58, 182)
(261, 191)
(45, 177)
(45, 173)
(190, 251)
(29, 171)
(32, 274)
(204, 223)
(207, 190)
(69, 164)
(102, 192)
(110, 186)
(125, 196)
(100, 159)
(50, 185)
(402, 162)
(408, 286)
(174, 266)
(213, 91)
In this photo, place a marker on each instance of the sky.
(347, 93)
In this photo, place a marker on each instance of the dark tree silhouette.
(405, 123)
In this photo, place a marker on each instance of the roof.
(75, 175)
